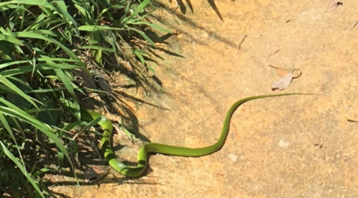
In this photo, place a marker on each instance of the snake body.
(138, 170)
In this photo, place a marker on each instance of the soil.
(292, 146)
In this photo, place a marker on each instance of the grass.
(41, 43)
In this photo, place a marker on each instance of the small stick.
(355, 24)
(242, 40)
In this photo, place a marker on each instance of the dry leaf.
(283, 82)
(333, 4)
(103, 83)
(284, 71)
(85, 79)
(281, 71)
(95, 173)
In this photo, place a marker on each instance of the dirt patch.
(296, 146)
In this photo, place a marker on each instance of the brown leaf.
(333, 4)
(95, 173)
(283, 82)
(281, 71)
(284, 71)
(103, 83)
(86, 80)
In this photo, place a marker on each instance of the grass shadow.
(185, 20)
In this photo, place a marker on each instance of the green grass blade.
(4, 65)
(98, 48)
(18, 91)
(35, 35)
(136, 11)
(143, 35)
(21, 167)
(94, 28)
(140, 8)
(139, 53)
(18, 113)
(6, 125)
(67, 82)
(155, 26)
(11, 39)
(61, 8)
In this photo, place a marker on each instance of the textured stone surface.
(296, 146)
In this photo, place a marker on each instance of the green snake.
(138, 170)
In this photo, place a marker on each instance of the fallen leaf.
(85, 79)
(282, 83)
(284, 71)
(333, 4)
(103, 83)
(281, 71)
(95, 173)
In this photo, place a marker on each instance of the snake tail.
(138, 170)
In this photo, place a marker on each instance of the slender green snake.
(137, 171)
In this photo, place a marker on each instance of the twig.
(242, 40)
(354, 24)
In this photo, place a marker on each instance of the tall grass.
(41, 42)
